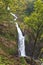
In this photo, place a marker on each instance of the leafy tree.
(35, 22)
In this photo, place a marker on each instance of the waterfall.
(8, 8)
(21, 38)
(14, 16)
(21, 42)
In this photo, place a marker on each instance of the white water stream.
(21, 38)
(21, 42)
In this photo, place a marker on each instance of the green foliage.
(22, 61)
(35, 20)
(16, 6)
(38, 6)
(12, 51)
(41, 59)
(42, 50)
(5, 61)
(11, 61)
(34, 23)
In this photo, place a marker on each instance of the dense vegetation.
(30, 20)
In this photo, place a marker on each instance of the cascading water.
(21, 38)
(21, 44)
(12, 14)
